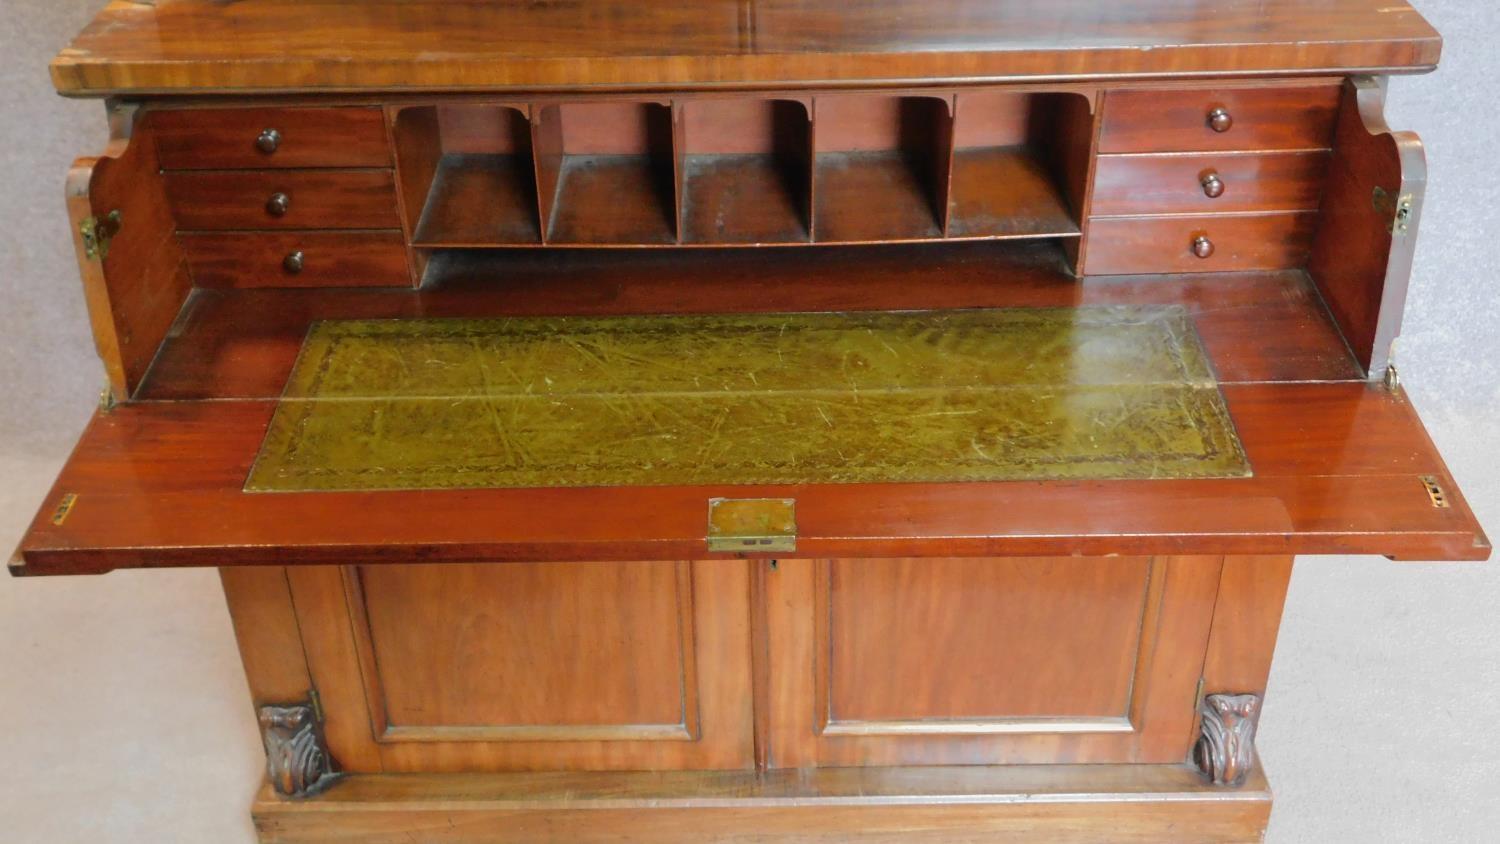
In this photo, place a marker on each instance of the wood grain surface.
(1075, 804)
(290, 45)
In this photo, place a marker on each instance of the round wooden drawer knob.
(1220, 120)
(1203, 247)
(278, 204)
(1213, 186)
(292, 263)
(268, 141)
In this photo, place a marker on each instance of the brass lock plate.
(759, 525)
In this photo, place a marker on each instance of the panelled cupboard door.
(985, 661)
(531, 666)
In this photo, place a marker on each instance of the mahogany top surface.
(391, 45)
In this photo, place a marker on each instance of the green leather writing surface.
(980, 395)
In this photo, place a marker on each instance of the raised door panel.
(533, 666)
(937, 646)
(550, 650)
(985, 661)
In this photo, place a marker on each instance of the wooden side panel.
(416, 135)
(333, 663)
(136, 287)
(1247, 616)
(580, 666)
(993, 665)
(1362, 253)
(265, 627)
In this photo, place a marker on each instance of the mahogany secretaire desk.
(766, 420)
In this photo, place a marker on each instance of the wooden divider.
(746, 169)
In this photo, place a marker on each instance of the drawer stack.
(283, 197)
(1205, 180)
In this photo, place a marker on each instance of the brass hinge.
(1397, 212)
(1392, 378)
(107, 400)
(317, 704)
(98, 233)
(752, 525)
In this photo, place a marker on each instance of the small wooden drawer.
(1202, 183)
(1132, 245)
(283, 199)
(1219, 119)
(224, 138)
(297, 259)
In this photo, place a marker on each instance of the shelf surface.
(874, 196)
(480, 200)
(612, 199)
(1340, 466)
(1005, 192)
(366, 45)
(742, 198)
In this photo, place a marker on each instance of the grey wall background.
(123, 712)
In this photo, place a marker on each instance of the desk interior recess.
(1041, 195)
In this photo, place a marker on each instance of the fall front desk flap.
(932, 396)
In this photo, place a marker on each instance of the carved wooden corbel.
(1226, 749)
(297, 760)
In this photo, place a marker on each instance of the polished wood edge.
(81, 78)
(583, 732)
(1447, 546)
(997, 726)
(786, 786)
(1063, 803)
(519, 98)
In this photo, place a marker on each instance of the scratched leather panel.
(1093, 392)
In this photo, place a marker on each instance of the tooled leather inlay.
(1094, 392)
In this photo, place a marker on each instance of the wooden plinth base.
(1060, 803)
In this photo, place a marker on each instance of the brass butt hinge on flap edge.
(98, 232)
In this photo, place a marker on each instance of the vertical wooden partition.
(881, 169)
(1020, 164)
(467, 175)
(606, 171)
(746, 170)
